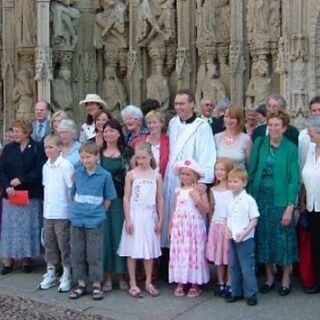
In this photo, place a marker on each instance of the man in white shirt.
(41, 126)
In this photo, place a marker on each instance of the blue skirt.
(20, 229)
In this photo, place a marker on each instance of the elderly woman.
(232, 143)
(251, 120)
(92, 103)
(159, 141)
(56, 118)
(274, 182)
(20, 170)
(102, 117)
(116, 158)
(132, 118)
(68, 133)
(311, 199)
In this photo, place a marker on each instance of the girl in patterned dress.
(217, 246)
(187, 232)
(143, 210)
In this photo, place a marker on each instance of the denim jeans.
(242, 268)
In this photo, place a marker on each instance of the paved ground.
(20, 299)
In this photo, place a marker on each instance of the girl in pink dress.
(187, 232)
(217, 245)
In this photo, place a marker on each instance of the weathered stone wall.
(129, 50)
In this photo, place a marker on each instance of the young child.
(241, 221)
(187, 231)
(217, 245)
(143, 210)
(93, 191)
(57, 181)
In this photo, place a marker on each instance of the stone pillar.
(43, 51)
(8, 59)
(237, 51)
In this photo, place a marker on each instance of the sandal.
(152, 290)
(194, 292)
(179, 292)
(78, 292)
(107, 287)
(135, 292)
(97, 293)
(123, 285)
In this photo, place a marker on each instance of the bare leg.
(286, 272)
(131, 263)
(269, 274)
(148, 264)
(220, 274)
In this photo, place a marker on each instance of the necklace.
(228, 139)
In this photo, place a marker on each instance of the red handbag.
(20, 197)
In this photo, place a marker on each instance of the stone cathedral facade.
(130, 50)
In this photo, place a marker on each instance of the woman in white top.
(311, 181)
(93, 103)
(232, 143)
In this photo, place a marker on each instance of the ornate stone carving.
(183, 67)
(43, 64)
(113, 92)
(156, 20)
(260, 83)
(25, 31)
(109, 30)
(63, 19)
(22, 95)
(213, 21)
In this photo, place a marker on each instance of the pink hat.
(189, 164)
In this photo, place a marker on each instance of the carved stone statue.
(211, 86)
(213, 21)
(110, 25)
(113, 92)
(22, 95)
(156, 20)
(62, 91)
(260, 83)
(25, 22)
(157, 88)
(63, 19)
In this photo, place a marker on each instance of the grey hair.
(314, 122)
(132, 111)
(70, 125)
(280, 99)
(223, 104)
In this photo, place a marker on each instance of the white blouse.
(311, 179)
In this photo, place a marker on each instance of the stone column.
(43, 51)
(8, 51)
(237, 51)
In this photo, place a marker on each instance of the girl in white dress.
(218, 246)
(143, 209)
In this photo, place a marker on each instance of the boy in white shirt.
(241, 221)
(57, 181)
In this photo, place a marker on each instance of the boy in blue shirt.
(93, 191)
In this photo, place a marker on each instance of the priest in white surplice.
(190, 137)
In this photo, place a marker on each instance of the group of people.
(202, 188)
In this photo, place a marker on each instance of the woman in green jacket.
(274, 182)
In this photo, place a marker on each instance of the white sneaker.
(49, 280)
(65, 284)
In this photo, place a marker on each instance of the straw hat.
(189, 164)
(92, 97)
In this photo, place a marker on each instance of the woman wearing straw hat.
(93, 103)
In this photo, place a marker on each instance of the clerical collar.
(190, 120)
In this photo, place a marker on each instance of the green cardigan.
(286, 170)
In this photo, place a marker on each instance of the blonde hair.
(227, 163)
(146, 146)
(59, 113)
(235, 111)
(155, 114)
(239, 173)
(53, 139)
(24, 125)
(89, 147)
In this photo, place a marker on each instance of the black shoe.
(284, 291)
(233, 298)
(6, 270)
(252, 301)
(219, 290)
(310, 290)
(265, 288)
(27, 268)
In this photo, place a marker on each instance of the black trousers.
(314, 227)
